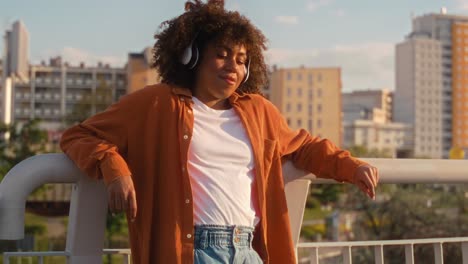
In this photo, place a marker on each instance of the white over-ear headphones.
(191, 54)
(187, 58)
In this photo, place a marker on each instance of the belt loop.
(204, 239)
(233, 235)
(251, 238)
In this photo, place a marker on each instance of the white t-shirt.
(221, 169)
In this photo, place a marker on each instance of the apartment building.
(139, 70)
(368, 104)
(58, 93)
(367, 121)
(308, 98)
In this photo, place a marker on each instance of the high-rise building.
(139, 70)
(309, 98)
(432, 84)
(16, 51)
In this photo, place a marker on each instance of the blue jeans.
(224, 244)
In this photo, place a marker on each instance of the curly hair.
(206, 23)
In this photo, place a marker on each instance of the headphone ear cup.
(187, 55)
(190, 56)
(195, 57)
(247, 72)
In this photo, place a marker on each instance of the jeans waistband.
(224, 236)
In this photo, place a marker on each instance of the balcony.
(88, 208)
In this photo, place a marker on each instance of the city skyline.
(358, 37)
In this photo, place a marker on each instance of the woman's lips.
(228, 79)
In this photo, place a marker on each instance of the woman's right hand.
(121, 196)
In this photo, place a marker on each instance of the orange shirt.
(146, 136)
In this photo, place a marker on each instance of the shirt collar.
(186, 92)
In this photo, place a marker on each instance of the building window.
(299, 91)
(319, 77)
(299, 123)
(310, 109)
(288, 107)
(319, 108)
(311, 94)
(319, 93)
(310, 124)
(299, 76)
(289, 91)
(299, 107)
(288, 76)
(319, 123)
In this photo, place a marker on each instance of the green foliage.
(116, 225)
(91, 102)
(25, 140)
(363, 152)
(409, 212)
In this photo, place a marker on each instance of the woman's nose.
(230, 64)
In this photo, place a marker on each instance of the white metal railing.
(89, 204)
(399, 171)
(346, 253)
(126, 253)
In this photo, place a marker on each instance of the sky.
(359, 36)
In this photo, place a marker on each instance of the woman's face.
(220, 72)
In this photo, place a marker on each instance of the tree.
(91, 102)
(25, 140)
(416, 211)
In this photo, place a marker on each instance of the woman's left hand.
(366, 178)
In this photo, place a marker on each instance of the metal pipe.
(401, 171)
(24, 178)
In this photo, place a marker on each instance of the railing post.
(41, 259)
(379, 255)
(409, 254)
(314, 256)
(464, 248)
(6, 259)
(88, 211)
(347, 256)
(438, 253)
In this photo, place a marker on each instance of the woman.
(201, 153)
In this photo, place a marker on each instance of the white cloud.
(363, 66)
(338, 13)
(313, 5)
(462, 4)
(287, 20)
(74, 56)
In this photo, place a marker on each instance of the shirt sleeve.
(98, 145)
(318, 156)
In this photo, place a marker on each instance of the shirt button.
(189, 235)
(187, 201)
(185, 137)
